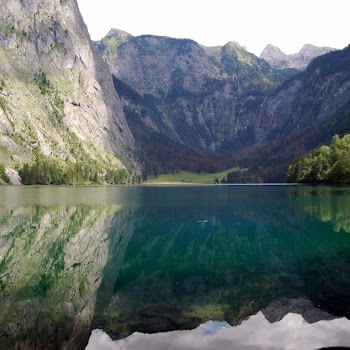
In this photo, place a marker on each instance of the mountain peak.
(278, 59)
(235, 45)
(275, 56)
(112, 40)
(118, 34)
(272, 48)
(308, 47)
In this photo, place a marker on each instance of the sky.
(252, 23)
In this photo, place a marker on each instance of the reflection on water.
(153, 259)
(52, 258)
(51, 267)
(291, 333)
(331, 205)
(68, 195)
(225, 256)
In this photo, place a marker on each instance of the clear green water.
(151, 259)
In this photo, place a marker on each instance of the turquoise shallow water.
(152, 259)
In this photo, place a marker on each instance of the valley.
(149, 105)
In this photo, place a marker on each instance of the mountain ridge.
(222, 99)
(211, 92)
(278, 59)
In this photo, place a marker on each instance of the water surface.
(153, 259)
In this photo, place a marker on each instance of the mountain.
(300, 115)
(275, 57)
(173, 103)
(222, 100)
(203, 98)
(278, 59)
(57, 97)
(317, 95)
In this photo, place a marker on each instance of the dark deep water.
(153, 259)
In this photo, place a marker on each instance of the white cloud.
(253, 23)
(292, 332)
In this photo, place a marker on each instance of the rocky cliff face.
(203, 97)
(149, 64)
(278, 59)
(56, 94)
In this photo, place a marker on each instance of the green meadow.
(186, 177)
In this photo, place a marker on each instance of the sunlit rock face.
(54, 85)
(52, 264)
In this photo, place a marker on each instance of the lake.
(154, 259)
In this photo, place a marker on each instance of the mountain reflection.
(157, 259)
(226, 259)
(52, 260)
